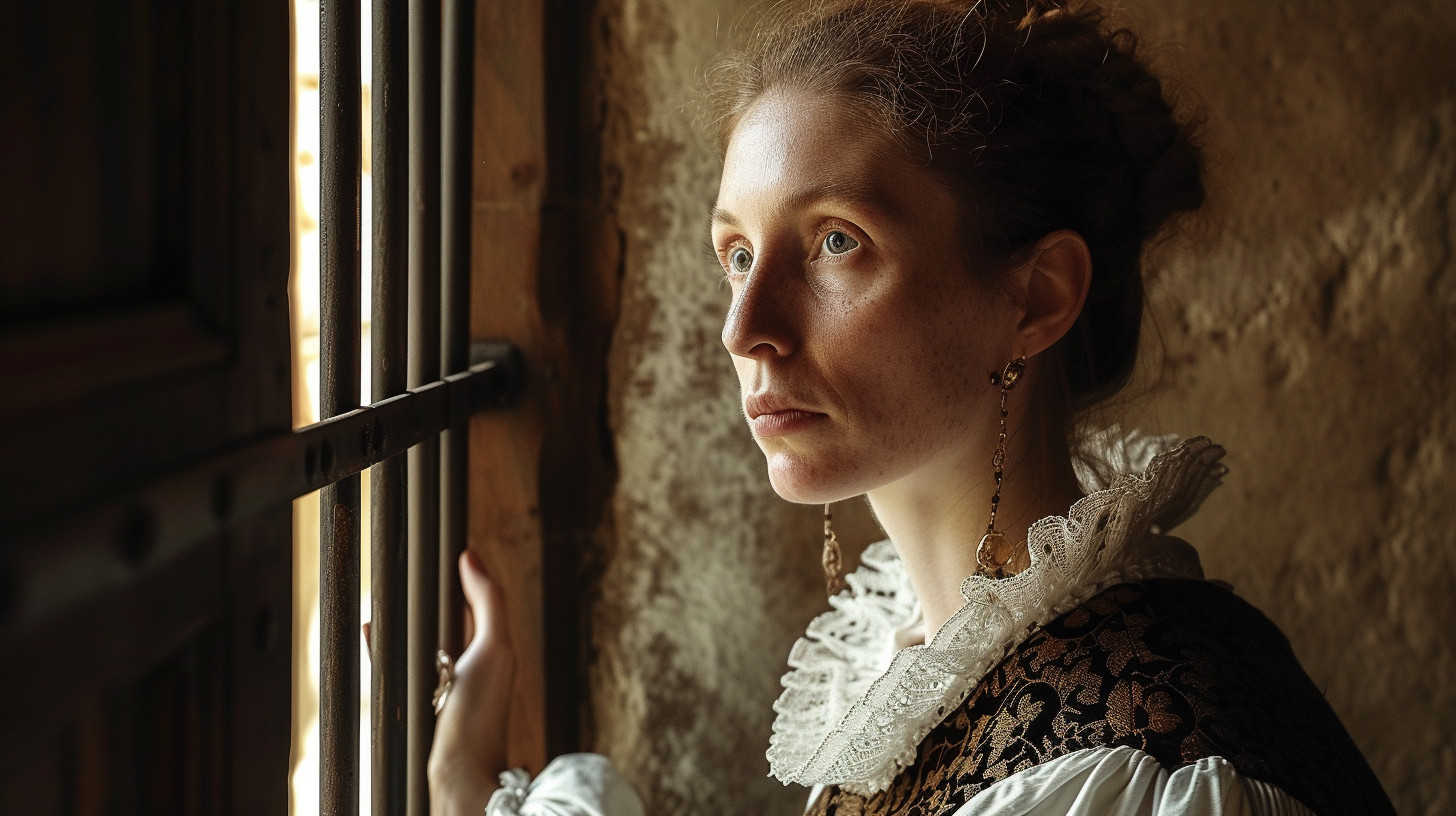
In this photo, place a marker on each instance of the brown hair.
(1036, 117)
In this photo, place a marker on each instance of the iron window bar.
(435, 196)
(389, 567)
(423, 362)
(456, 143)
(339, 353)
(109, 544)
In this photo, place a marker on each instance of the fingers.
(368, 645)
(487, 603)
(469, 748)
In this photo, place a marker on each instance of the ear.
(1051, 288)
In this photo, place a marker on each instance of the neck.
(936, 516)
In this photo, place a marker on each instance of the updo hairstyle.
(1034, 116)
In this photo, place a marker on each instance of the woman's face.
(861, 336)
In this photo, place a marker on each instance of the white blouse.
(1118, 781)
(858, 700)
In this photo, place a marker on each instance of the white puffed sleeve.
(570, 785)
(1124, 781)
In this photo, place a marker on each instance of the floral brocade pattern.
(1179, 669)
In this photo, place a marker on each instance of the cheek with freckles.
(909, 387)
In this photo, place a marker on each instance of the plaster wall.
(1305, 321)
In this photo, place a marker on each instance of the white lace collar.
(854, 709)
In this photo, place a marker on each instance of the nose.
(761, 319)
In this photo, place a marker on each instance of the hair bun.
(1162, 154)
(1172, 184)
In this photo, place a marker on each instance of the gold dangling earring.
(986, 563)
(833, 563)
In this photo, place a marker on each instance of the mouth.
(770, 415)
(781, 423)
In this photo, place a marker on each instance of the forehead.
(792, 148)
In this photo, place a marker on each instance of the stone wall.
(1305, 321)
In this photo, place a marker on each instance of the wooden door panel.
(144, 245)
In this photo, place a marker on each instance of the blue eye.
(740, 261)
(837, 243)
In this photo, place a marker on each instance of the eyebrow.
(852, 191)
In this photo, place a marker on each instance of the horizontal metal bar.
(54, 567)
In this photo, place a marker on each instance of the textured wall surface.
(1305, 321)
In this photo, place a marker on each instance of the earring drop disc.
(986, 559)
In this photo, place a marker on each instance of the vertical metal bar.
(389, 591)
(457, 71)
(424, 365)
(567, 513)
(339, 392)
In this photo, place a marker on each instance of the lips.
(759, 404)
(772, 415)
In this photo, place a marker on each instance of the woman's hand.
(469, 752)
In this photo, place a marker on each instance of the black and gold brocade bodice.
(1179, 669)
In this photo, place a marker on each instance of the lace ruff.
(853, 711)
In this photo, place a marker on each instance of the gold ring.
(446, 669)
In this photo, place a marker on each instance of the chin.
(802, 483)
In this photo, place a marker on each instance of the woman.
(916, 195)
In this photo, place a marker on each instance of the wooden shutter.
(144, 258)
